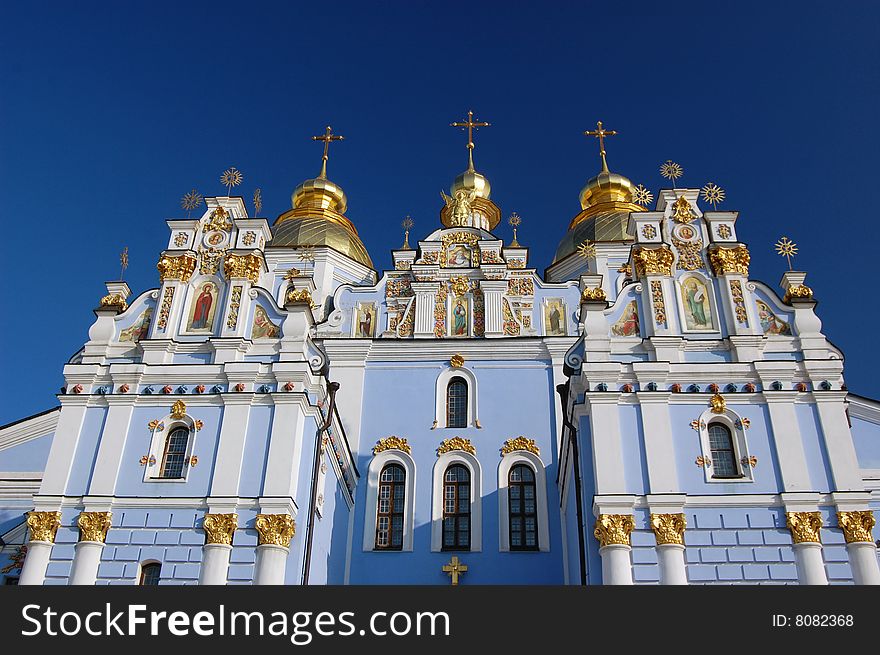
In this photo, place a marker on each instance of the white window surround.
(534, 462)
(379, 462)
(730, 420)
(157, 447)
(470, 462)
(440, 394)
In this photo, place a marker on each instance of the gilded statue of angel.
(460, 205)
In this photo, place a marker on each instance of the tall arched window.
(175, 454)
(456, 403)
(389, 513)
(457, 508)
(150, 574)
(523, 508)
(723, 453)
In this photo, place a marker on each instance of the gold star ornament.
(190, 201)
(712, 194)
(671, 171)
(231, 177)
(786, 248)
(587, 249)
(641, 196)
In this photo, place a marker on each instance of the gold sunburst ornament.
(514, 221)
(258, 201)
(190, 201)
(713, 194)
(231, 177)
(787, 248)
(307, 254)
(641, 196)
(406, 224)
(671, 171)
(587, 249)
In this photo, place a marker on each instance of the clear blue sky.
(110, 111)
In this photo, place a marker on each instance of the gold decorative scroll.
(613, 529)
(275, 529)
(392, 442)
(43, 525)
(243, 266)
(799, 291)
(219, 528)
(668, 528)
(114, 300)
(657, 302)
(725, 261)
(178, 409)
(180, 267)
(804, 526)
(682, 211)
(520, 443)
(219, 220)
(93, 526)
(856, 526)
(739, 304)
(456, 443)
(653, 261)
(299, 297)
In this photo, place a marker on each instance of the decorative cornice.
(243, 266)
(652, 261)
(275, 529)
(93, 526)
(668, 528)
(456, 443)
(180, 267)
(730, 260)
(613, 529)
(219, 528)
(520, 443)
(392, 442)
(804, 526)
(43, 525)
(857, 526)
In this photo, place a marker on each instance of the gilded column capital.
(275, 529)
(613, 529)
(243, 266)
(857, 525)
(730, 260)
(652, 261)
(180, 267)
(804, 526)
(668, 528)
(43, 525)
(93, 526)
(219, 528)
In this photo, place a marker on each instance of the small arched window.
(389, 512)
(457, 508)
(723, 453)
(456, 403)
(522, 506)
(150, 574)
(175, 454)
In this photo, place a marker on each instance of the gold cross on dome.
(455, 568)
(327, 138)
(600, 132)
(470, 124)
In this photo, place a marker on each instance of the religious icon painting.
(628, 323)
(458, 256)
(203, 309)
(459, 316)
(215, 238)
(365, 320)
(263, 327)
(696, 305)
(139, 328)
(770, 323)
(554, 318)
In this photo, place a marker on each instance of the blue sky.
(110, 112)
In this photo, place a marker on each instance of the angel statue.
(460, 205)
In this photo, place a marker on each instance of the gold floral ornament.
(191, 201)
(301, 297)
(614, 529)
(93, 526)
(786, 248)
(712, 194)
(258, 201)
(392, 443)
(43, 525)
(220, 528)
(587, 250)
(218, 220)
(671, 171)
(653, 261)
(243, 266)
(520, 443)
(682, 211)
(460, 285)
(275, 529)
(457, 360)
(804, 526)
(514, 221)
(856, 526)
(178, 409)
(456, 443)
(717, 404)
(750, 460)
(799, 291)
(114, 301)
(176, 268)
(725, 261)
(593, 294)
(703, 462)
(668, 528)
(231, 177)
(642, 196)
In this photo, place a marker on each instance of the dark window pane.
(456, 508)
(522, 512)
(390, 506)
(722, 452)
(175, 451)
(456, 403)
(150, 574)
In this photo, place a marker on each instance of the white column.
(672, 566)
(492, 292)
(426, 294)
(93, 528)
(276, 531)
(863, 562)
(810, 565)
(215, 564)
(33, 572)
(612, 532)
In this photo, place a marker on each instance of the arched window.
(150, 574)
(175, 454)
(457, 508)
(522, 506)
(723, 453)
(389, 512)
(456, 403)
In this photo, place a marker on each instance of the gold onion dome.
(471, 180)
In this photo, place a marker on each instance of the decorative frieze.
(234, 305)
(93, 526)
(657, 302)
(275, 529)
(220, 528)
(668, 528)
(739, 305)
(43, 525)
(614, 529)
(856, 525)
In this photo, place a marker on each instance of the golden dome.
(472, 180)
(298, 228)
(606, 187)
(319, 193)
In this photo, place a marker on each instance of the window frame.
(471, 463)
(458, 514)
(142, 572)
(522, 515)
(159, 444)
(378, 463)
(391, 513)
(737, 430)
(440, 394)
(534, 462)
(460, 419)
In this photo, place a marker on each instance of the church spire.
(328, 137)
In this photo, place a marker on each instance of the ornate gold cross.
(123, 260)
(455, 568)
(327, 137)
(470, 124)
(601, 133)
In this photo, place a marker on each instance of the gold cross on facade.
(470, 124)
(327, 137)
(601, 133)
(455, 568)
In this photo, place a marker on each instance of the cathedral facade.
(276, 411)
